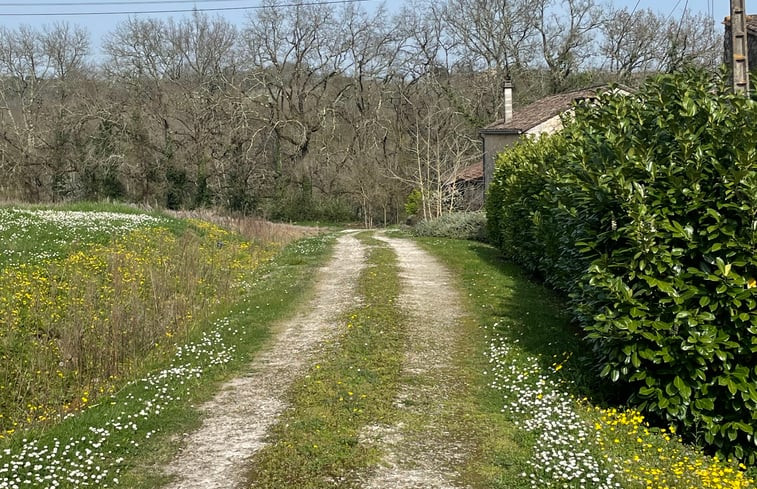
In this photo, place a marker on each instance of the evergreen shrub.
(644, 209)
(454, 225)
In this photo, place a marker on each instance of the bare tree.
(23, 70)
(631, 42)
(205, 45)
(297, 81)
(645, 42)
(214, 153)
(38, 126)
(690, 39)
(435, 143)
(375, 58)
(142, 60)
(66, 47)
(491, 34)
(567, 30)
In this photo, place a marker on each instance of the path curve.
(425, 455)
(237, 419)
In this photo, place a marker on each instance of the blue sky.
(99, 25)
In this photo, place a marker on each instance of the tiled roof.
(542, 110)
(469, 173)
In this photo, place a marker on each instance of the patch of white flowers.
(89, 461)
(19, 224)
(110, 222)
(538, 404)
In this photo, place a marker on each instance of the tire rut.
(238, 418)
(419, 452)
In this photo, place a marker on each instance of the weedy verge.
(111, 440)
(544, 419)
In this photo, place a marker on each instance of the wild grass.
(252, 228)
(34, 234)
(88, 295)
(544, 420)
(316, 443)
(120, 440)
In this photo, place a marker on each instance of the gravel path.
(420, 453)
(239, 416)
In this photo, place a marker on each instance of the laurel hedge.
(644, 210)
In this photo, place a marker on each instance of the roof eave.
(500, 131)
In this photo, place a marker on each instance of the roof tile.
(469, 173)
(544, 109)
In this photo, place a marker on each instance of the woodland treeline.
(308, 112)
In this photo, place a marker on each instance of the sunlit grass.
(563, 429)
(317, 443)
(95, 294)
(36, 235)
(109, 441)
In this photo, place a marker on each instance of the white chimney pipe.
(508, 100)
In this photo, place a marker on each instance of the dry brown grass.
(252, 228)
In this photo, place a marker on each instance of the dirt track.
(419, 452)
(238, 417)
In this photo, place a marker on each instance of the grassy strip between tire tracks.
(316, 442)
(125, 439)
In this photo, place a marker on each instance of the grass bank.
(87, 295)
(542, 419)
(95, 438)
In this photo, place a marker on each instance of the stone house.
(541, 117)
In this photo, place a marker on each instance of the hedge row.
(644, 210)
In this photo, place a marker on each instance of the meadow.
(85, 296)
(110, 317)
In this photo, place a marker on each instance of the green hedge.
(644, 209)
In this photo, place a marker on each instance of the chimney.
(508, 86)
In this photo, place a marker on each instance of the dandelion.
(566, 455)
